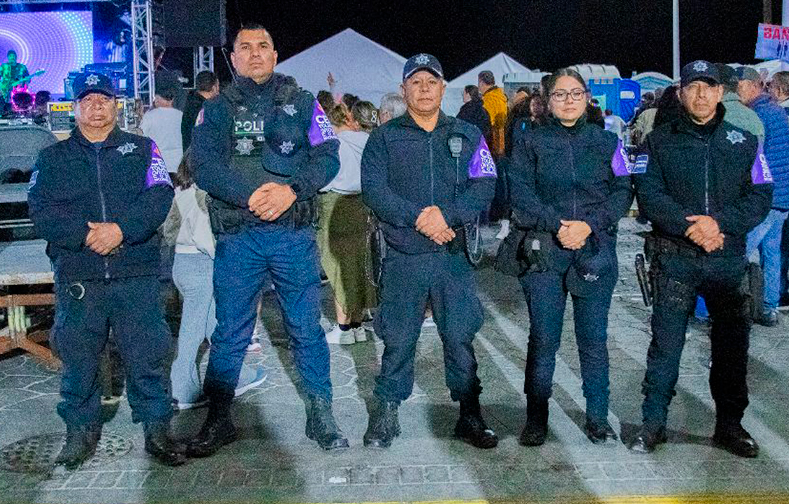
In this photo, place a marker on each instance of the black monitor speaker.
(194, 23)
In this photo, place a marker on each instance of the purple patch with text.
(760, 172)
(481, 164)
(157, 171)
(320, 126)
(621, 165)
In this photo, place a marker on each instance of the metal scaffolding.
(144, 58)
(203, 59)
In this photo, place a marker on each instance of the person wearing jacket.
(193, 272)
(570, 185)
(98, 198)
(766, 237)
(262, 150)
(473, 111)
(342, 226)
(706, 185)
(427, 176)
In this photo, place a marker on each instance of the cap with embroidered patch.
(92, 82)
(699, 70)
(422, 61)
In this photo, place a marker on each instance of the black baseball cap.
(699, 70)
(422, 61)
(92, 82)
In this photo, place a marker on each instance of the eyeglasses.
(561, 95)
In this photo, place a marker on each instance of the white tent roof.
(650, 81)
(591, 71)
(499, 64)
(766, 68)
(359, 65)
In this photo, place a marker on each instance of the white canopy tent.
(359, 66)
(499, 64)
(650, 81)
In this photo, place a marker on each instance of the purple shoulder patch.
(760, 171)
(157, 171)
(320, 126)
(620, 162)
(481, 163)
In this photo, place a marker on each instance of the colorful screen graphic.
(56, 42)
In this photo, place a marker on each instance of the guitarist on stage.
(10, 73)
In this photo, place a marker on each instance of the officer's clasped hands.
(573, 234)
(271, 200)
(431, 223)
(103, 237)
(704, 232)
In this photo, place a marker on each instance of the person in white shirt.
(614, 124)
(342, 227)
(162, 124)
(193, 271)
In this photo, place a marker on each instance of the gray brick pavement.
(274, 461)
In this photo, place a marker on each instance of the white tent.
(499, 64)
(592, 71)
(767, 68)
(358, 65)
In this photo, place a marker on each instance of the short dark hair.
(350, 100)
(487, 77)
(249, 26)
(205, 81)
(10, 52)
(781, 81)
(473, 92)
(43, 97)
(166, 92)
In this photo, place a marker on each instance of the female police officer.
(570, 185)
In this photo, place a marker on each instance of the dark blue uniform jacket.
(122, 180)
(406, 169)
(717, 170)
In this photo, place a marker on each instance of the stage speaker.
(194, 23)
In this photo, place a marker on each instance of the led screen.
(57, 42)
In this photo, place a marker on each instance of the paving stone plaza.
(273, 460)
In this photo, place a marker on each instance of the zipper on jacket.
(103, 205)
(575, 177)
(707, 179)
(432, 177)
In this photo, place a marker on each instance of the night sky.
(544, 34)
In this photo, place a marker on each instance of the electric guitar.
(7, 86)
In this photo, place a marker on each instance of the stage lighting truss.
(146, 18)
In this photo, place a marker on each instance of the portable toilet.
(620, 95)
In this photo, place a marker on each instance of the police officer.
(570, 185)
(98, 198)
(426, 176)
(706, 185)
(262, 149)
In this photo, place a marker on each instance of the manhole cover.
(37, 454)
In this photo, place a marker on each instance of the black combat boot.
(384, 425)
(599, 431)
(81, 442)
(648, 438)
(321, 426)
(471, 428)
(536, 429)
(161, 446)
(733, 438)
(217, 431)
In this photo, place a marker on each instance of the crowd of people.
(249, 172)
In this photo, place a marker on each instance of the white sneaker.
(360, 333)
(505, 229)
(337, 336)
(260, 377)
(198, 403)
(254, 346)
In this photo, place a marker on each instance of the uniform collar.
(686, 124)
(113, 139)
(575, 128)
(408, 121)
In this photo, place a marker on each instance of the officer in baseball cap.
(93, 82)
